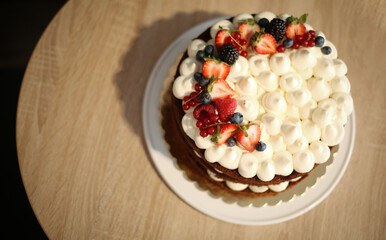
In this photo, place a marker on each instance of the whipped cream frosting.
(300, 97)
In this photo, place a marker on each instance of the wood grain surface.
(80, 143)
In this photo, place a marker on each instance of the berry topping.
(197, 76)
(209, 50)
(200, 124)
(203, 111)
(203, 133)
(264, 43)
(225, 108)
(260, 146)
(216, 69)
(276, 28)
(280, 48)
(231, 142)
(326, 50)
(211, 130)
(214, 118)
(263, 22)
(249, 136)
(288, 42)
(319, 41)
(224, 132)
(236, 118)
(220, 38)
(248, 29)
(295, 26)
(228, 53)
(200, 55)
(220, 89)
(205, 98)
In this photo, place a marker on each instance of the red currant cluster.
(208, 126)
(193, 98)
(305, 40)
(239, 43)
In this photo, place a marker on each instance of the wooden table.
(80, 143)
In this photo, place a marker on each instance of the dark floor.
(21, 25)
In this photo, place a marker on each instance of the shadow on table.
(138, 62)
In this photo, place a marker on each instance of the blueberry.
(263, 22)
(197, 76)
(231, 142)
(205, 98)
(200, 55)
(236, 118)
(209, 50)
(288, 43)
(326, 50)
(203, 81)
(260, 146)
(319, 41)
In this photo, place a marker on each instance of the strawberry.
(219, 89)
(249, 136)
(295, 26)
(220, 37)
(204, 111)
(216, 69)
(247, 29)
(225, 107)
(224, 132)
(264, 43)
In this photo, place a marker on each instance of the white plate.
(201, 200)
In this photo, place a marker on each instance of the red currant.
(236, 35)
(311, 43)
(244, 54)
(191, 103)
(186, 98)
(192, 94)
(185, 107)
(312, 32)
(280, 48)
(243, 42)
(295, 45)
(211, 130)
(298, 38)
(199, 124)
(306, 36)
(214, 118)
(229, 40)
(203, 133)
(238, 47)
(207, 121)
(197, 87)
(304, 43)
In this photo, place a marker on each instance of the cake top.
(265, 95)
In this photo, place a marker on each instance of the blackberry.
(276, 28)
(228, 53)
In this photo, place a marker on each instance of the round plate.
(201, 200)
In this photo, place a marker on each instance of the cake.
(258, 101)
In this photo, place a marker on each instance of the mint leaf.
(303, 18)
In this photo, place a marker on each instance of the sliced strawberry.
(204, 111)
(225, 107)
(295, 29)
(264, 43)
(224, 132)
(220, 38)
(249, 137)
(247, 29)
(220, 89)
(215, 69)
(295, 26)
